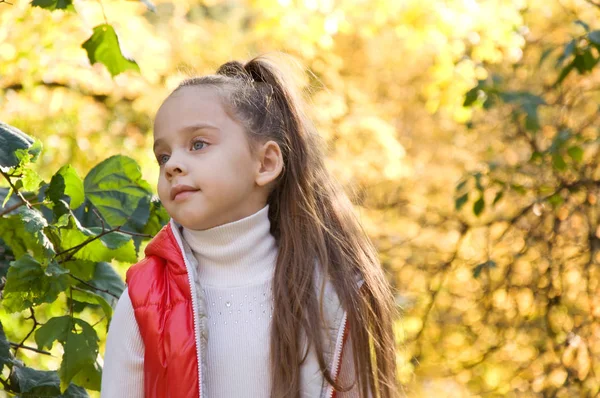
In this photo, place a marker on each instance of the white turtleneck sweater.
(236, 265)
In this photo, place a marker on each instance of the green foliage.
(104, 47)
(62, 246)
(54, 4)
(115, 188)
(11, 140)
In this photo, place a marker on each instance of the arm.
(123, 371)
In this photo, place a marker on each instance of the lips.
(180, 191)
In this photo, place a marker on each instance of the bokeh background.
(466, 133)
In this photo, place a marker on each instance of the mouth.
(182, 191)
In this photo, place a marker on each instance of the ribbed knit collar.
(235, 254)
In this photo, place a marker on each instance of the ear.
(270, 163)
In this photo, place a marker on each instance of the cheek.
(162, 189)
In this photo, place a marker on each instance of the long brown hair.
(314, 223)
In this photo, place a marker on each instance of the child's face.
(201, 150)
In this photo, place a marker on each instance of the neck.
(238, 253)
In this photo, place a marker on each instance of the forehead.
(190, 105)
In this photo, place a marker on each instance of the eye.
(197, 145)
(162, 159)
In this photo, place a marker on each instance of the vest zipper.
(194, 307)
(337, 357)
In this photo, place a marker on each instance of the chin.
(193, 223)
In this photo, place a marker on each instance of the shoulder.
(156, 251)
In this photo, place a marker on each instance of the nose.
(174, 167)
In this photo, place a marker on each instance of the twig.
(74, 249)
(593, 3)
(15, 190)
(445, 267)
(11, 208)
(103, 13)
(92, 286)
(99, 218)
(35, 325)
(25, 347)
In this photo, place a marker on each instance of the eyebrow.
(187, 130)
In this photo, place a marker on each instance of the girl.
(262, 284)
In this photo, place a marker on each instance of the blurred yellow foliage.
(386, 90)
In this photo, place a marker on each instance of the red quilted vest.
(160, 293)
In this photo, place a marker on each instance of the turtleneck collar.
(238, 253)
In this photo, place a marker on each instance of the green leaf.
(520, 189)
(594, 37)
(5, 196)
(558, 162)
(55, 329)
(81, 350)
(12, 139)
(103, 46)
(529, 103)
(114, 245)
(583, 24)
(478, 185)
(460, 186)
(460, 201)
(471, 96)
(576, 153)
(14, 235)
(478, 206)
(67, 182)
(115, 187)
(480, 267)
(30, 179)
(158, 218)
(106, 278)
(497, 198)
(79, 341)
(5, 355)
(579, 63)
(532, 121)
(81, 269)
(86, 296)
(27, 284)
(535, 156)
(564, 73)
(23, 231)
(35, 223)
(556, 200)
(113, 240)
(56, 189)
(75, 392)
(588, 60)
(545, 54)
(54, 4)
(37, 383)
(90, 377)
(567, 52)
